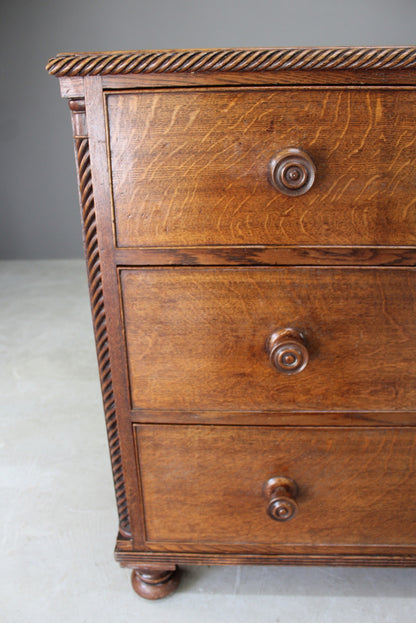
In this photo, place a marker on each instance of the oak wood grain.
(74, 86)
(196, 338)
(236, 60)
(343, 77)
(308, 556)
(267, 256)
(193, 168)
(276, 418)
(110, 303)
(88, 210)
(195, 260)
(354, 486)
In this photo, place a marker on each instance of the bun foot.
(155, 583)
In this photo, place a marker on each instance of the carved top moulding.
(231, 60)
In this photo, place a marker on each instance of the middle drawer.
(216, 338)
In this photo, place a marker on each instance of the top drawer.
(192, 166)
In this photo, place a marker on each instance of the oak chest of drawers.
(250, 234)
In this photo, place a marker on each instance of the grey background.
(39, 203)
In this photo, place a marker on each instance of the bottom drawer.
(207, 485)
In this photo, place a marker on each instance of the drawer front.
(192, 167)
(208, 484)
(198, 338)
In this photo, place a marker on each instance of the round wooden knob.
(287, 351)
(292, 171)
(281, 493)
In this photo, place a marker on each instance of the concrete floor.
(57, 503)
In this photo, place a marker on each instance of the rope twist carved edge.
(231, 60)
(100, 327)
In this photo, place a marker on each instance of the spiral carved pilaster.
(231, 60)
(100, 325)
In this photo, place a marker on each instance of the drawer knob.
(281, 493)
(292, 171)
(287, 351)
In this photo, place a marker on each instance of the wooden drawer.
(191, 167)
(206, 485)
(197, 338)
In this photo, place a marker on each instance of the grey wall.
(39, 203)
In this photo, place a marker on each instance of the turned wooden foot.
(155, 583)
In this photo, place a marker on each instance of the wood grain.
(267, 256)
(341, 77)
(98, 312)
(339, 557)
(152, 583)
(355, 486)
(193, 168)
(250, 60)
(74, 86)
(196, 338)
(276, 418)
(195, 260)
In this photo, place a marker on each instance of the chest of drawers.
(250, 234)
